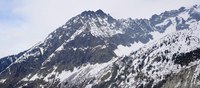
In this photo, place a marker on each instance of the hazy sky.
(24, 23)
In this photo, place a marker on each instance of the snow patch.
(107, 30)
(126, 50)
(184, 15)
(165, 22)
(65, 74)
(41, 50)
(88, 86)
(64, 26)
(34, 77)
(87, 71)
(2, 80)
(71, 38)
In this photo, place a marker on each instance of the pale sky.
(24, 23)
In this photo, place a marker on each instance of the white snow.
(107, 30)
(34, 77)
(26, 78)
(48, 37)
(156, 35)
(196, 10)
(22, 86)
(184, 15)
(65, 74)
(74, 49)
(48, 59)
(88, 86)
(60, 48)
(172, 28)
(46, 78)
(178, 84)
(41, 50)
(165, 22)
(26, 55)
(180, 45)
(71, 38)
(196, 74)
(76, 33)
(60, 36)
(103, 31)
(2, 80)
(126, 50)
(86, 72)
(79, 74)
(64, 26)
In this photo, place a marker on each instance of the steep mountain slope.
(89, 37)
(87, 50)
(162, 63)
(170, 62)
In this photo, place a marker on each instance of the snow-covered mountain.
(94, 50)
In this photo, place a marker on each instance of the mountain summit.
(95, 50)
(97, 13)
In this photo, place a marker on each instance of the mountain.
(96, 50)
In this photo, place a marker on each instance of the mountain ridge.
(88, 41)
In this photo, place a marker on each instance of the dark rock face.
(186, 58)
(91, 38)
(6, 61)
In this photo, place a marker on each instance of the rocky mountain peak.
(89, 51)
(99, 11)
(93, 14)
